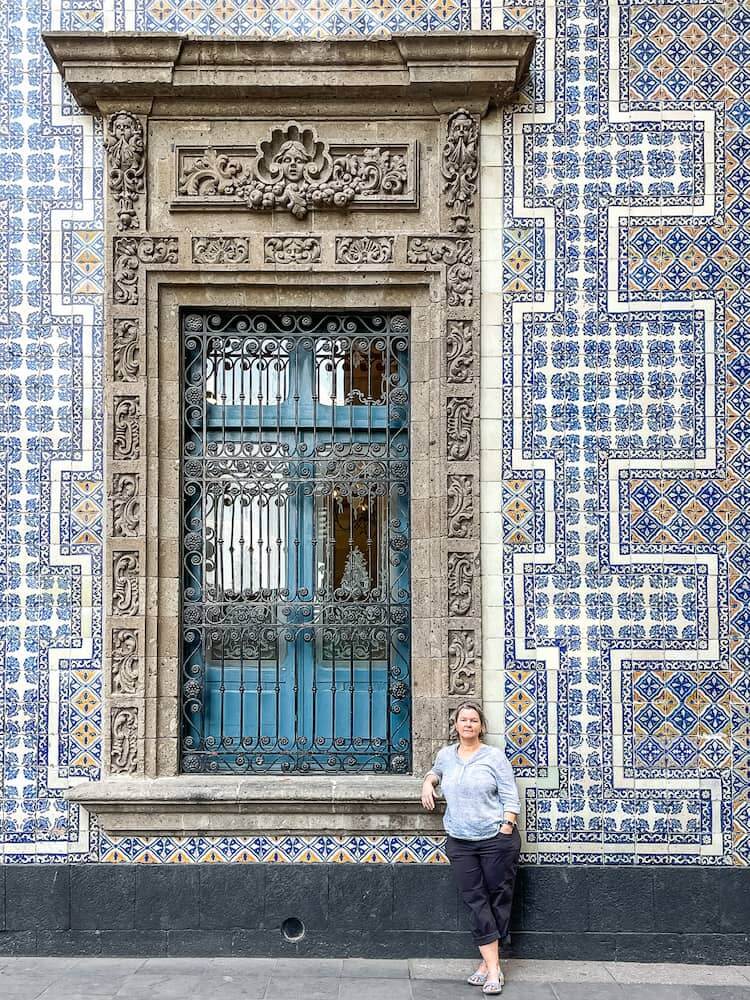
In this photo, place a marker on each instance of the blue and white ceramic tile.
(626, 532)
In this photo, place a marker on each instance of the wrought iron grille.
(295, 542)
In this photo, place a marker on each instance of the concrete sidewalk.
(356, 979)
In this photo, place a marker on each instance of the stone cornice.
(478, 67)
(290, 804)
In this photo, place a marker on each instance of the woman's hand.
(506, 828)
(428, 794)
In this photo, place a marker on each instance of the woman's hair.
(475, 707)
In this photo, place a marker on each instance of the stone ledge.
(284, 804)
(485, 67)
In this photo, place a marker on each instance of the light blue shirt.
(477, 791)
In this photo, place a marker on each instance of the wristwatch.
(509, 822)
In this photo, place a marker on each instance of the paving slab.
(723, 992)
(375, 989)
(529, 970)
(300, 986)
(441, 968)
(669, 973)
(375, 968)
(141, 986)
(231, 986)
(315, 968)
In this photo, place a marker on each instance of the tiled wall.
(616, 528)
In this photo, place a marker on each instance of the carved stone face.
(292, 159)
(463, 128)
(122, 128)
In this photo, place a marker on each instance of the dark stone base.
(374, 911)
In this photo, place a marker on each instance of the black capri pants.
(485, 871)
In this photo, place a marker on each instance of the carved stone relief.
(126, 504)
(126, 163)
(459, 424)
(293, 170)
(129, 252)
(457, 255)
(459, 343)
(460, 167)
(462, 674)
(125, 350)
(291, 249)
(124, 741)
(460, 506)
(460, 583)
(221, 249)
(125, 669)
(125, 584)
(364, 249)
(126, 441)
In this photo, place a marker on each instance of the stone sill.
(285, 804)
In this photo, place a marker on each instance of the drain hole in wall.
(293, 929)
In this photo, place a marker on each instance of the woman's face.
(468, 724)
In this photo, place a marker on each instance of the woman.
(483, 844)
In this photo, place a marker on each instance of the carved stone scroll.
(126, 441)
(462, 674)
(460, 583)
(126, 598)
(459, 425)
(291, 249)
(459, 346)
(128, 253)
(126, 164)
(125, 670)
(460, 506)
(126, 505)
(124, 745)
(364, 249)
(460, 167)
(293, 170)
(458, 257)
(125, 350)
(221, 249)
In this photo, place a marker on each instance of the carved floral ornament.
(293, 170)
(126, 163)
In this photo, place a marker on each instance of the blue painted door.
(296, 655)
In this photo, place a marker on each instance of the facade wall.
(616, 232)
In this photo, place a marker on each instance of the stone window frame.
(449, 81)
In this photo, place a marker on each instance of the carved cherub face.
(122, 128)
(292, 158)
(462, 128)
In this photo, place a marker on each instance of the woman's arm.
(507, 792)
(430, 783)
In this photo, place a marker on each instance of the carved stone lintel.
(125, 670)
(125, 350)
(124, 749)
(459, 426)
(460, 167)
(221, 249)
(126, 441)
(129, 251)
(126, 164)
(291, 249)
(459, 345)
(126, 597)
(293, 170)
(364, 249)
(458, 257)
(462, 674)
(460, 506)
(126, 505)
(460, 583)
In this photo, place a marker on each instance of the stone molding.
(474, 66)
(293, 244)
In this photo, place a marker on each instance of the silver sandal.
(494, 986)
(477, 979)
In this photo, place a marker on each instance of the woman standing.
(483, 844)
